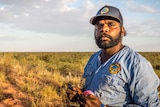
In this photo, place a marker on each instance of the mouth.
(104, 38)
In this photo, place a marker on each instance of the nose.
(104, 28)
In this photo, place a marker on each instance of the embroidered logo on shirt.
(115, 68)
(104, 10)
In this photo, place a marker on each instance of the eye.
(99, 25)
(110, 24)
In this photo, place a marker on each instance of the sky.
(63, 25)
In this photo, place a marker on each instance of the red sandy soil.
(12, 97)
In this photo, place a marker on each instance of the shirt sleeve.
(144, 85)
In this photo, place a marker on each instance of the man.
(117, 75)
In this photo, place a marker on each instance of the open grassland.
(40, 79)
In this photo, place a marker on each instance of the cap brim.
(94, 19)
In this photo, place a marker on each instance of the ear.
(123, 33)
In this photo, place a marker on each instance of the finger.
(81, 98)
(70, 91)
(90, 96)
(74, 89)
(93, 100)
(79, 91)
(72, 95)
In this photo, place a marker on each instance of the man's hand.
(89, 101)
(73, 93)
(85, 99)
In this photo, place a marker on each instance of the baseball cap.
(107, 12)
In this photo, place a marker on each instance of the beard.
(103, 44)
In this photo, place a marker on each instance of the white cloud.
(143, 28)
(144, 8)
(140, 8)
(40, 21)
(56, 16)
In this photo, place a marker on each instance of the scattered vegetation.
(40, 79)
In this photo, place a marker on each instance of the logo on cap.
(105, 10)
(115, 68)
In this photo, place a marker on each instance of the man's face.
(107, 33)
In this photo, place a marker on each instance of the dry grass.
(40, 80)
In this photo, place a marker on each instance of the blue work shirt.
(124, 79)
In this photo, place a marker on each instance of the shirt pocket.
(113, 89)
(112, 83)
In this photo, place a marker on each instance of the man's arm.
(144, 84)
